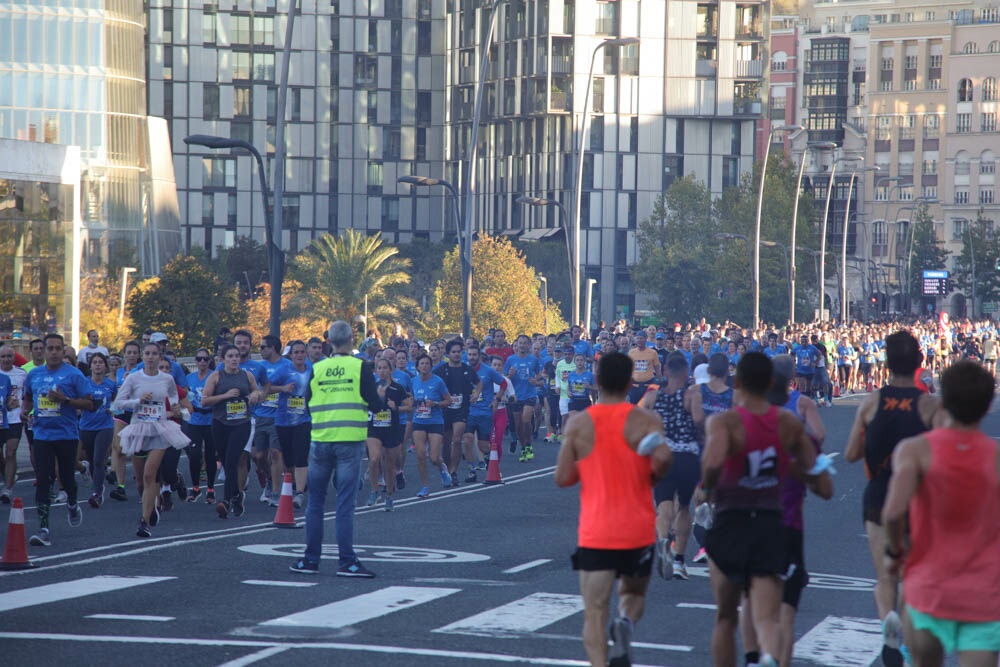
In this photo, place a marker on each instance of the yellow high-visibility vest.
(339, 414)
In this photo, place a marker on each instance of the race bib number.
(297, 404)
(149, 412)
(47, 407)
(236, 410)
(456, 402)
(271, 401)
(382, 419)
(577, 388)
(423, 412)
(641, 365)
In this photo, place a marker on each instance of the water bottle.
(703, 515)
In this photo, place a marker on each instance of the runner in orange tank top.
(617, 451)
(945, 486)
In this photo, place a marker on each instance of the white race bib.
(456, 402)
(149, 412)
(423, 412)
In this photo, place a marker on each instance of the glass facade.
(73, 72)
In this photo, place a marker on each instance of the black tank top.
(895, 419)
(678, 425)
(233, 411)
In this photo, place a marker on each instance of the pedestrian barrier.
(15, 553)
(285, 516)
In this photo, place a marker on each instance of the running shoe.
(620, 633)
(356, 570)
(372, 499)
(96, 500)
(400, 481)
(181, 486)
(767, 660)
(265, 496)
(298, 500)
(5, 496)
(238, 505)
(664, 560)
(388, 504)
(531, 452)
(166, 502)
(680, 570)
(210, 496)
(513, 446)
(423, 492)
(548, 437)
(75, 515)
(701, 556)
(41, 538)
(272, 501)
(471, 477)
(445, 479)
(302, 566)
(222, 509)
(892, 638)
(143, 530)
(154, 517)
(61, 497)
(85, 473)
(194, 495)
(111, 478)
(118, 493)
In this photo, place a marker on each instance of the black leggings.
(95, 446)
(47, 453)
(230, 441)
(555, 418)
(201, 440)
(166, 474)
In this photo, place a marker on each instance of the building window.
(218, 172)
(970, 47)
(263, 66)
(730, 172)
(930, 167)
(423, 38)
(263, 31)
(242, 98)
(933, 84)
(958, 227)
(168, 63)
(935, 61)
(887, 64)
(290, 212)
(886, 86)
(241, 64)
(987, 166)
(207, 209)
(209, 30)
(374, 178)
(985, 195)
(883, 128)
(932, 127)
(607, 13)
(965, 90)
(963, 123)
(859, 93)
(882, 193)
(961, 196)
(629, 64)
(929, 192)
(210, 101)
(420, 145)
(994, 46)
(988, 122)
(908, 127)
(168, 100)
(989, 89)
(911, 62)
(390, 214)
(905, 192)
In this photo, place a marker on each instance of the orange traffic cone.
(493, 469)
(15, 553)
(870, 387)
(836, 391)
(285, 517)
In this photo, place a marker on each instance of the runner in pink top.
(949, 481)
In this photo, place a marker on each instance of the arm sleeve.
(369, 388)
(125, 400)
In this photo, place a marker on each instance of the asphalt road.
(473, 575)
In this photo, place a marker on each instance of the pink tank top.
(752, 479)
(955, 529)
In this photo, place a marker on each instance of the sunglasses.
(201, 359)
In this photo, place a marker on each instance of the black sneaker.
(166, 502)
(154, 517)
(95, 500)
(143, 530)
(111, 478)
(471, 477)
(237, 505)
(210, 496)
(513, 446)
(181, 487)
(400, 481)
(118, 493)
(355, 569)
(302, 566)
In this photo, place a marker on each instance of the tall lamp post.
(464, 249)
(275, 265)
(822, 236)
(760, 206)
(843, 249)
(784, 256)
(578, 185)
(545, 300)
(972, 264)
(121, 307)
(819, 145)
(909, 245)
(590, 300)
(539, 201)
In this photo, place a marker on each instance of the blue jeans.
(342, 462)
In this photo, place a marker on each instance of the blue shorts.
(480, 425)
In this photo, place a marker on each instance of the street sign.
(935, 283)
(990, 307)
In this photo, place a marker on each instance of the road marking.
(842, 641)
(68, 590)
(344, 613)
(518, 617)
(527, 566)
(255, 657)
(680, 648)
(329, 646)
(288, 584)
(370, 553)
(696, 605)
(131, 617)
(123, 549)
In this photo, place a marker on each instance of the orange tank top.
(616, 485)
(955, 528)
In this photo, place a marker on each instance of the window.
(929, 192)
(263, 31)
(905, 193)
(932, 127)
(242, 97)
(290, 211)
(882, 193)
(207, 209)
(887, 64)
(961, 196)
(987, 163)
(879, 233)
(420, 146)
(210, 101)
(958, 227)
(263, 66)
(883, 128)
(933, 84)
(928, 16)
(963, 123)
(985, 195)
(886, 86)
(859, 93)
(988, 122)
(374, 178)
(390, 214)
(935, 61)
(239, 29)
(989, 89)
(423, 38)
(965, 90)
(209, 22)
(730, 172)
(994, 46)
(168, 100)
(911, 62)
(231, 213)
(218, 172)
(908, 127)
(970, 47)
(962, 164)
(240, 64)
(930, 167)
(629, 60)
(168, 63)
(606, 18)
(910, 84)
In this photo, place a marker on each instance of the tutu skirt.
(145, 436)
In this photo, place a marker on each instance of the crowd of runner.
(449, 402)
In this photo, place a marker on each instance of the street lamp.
(972, 263)
(121, 308)
(578, 185)
(590, 300)
(275, 267)
(760, 206)
(540, 201)
(784, 256)
(843, 249)
(545, 300)
(822, 236)
(464, 250)
(820, 145)
(909, 246)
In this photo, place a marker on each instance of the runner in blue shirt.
(806, 359)
(403, 376)
(430, 395)
(267, 446)
(524, 371)
(243, 341)
(480, 425)
(293, 420)
(97, 427)
(199, 429)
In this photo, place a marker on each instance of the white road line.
(131, 617)
(527, 566)
(329, 646)
(518, 617)
(288, 584)
(122, 549)
(695, 605)
(67, 590)
(359, 608)
(255, 657)
(841, 641)
(679, 648)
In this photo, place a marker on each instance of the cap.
(158, 337)
(660, 336)
(677, 325)
(706, 336)
(641, 332)
(701, 374)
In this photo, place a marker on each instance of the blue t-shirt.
(103, 394)
(844, 353)
(5, 388)
(292, 408)
(805, 359)
(778, 349)
(405, 380)
(582, 347)
(196, 387)
(579, 384)
(55, 421)
(276, 373)
(489, 377)
(526, 368)
(434, 390)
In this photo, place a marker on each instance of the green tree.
(188, 301)
(244, 264)
(548, 258)
(426, 259)
(505, 293)
(257, 315)
(338, 272)
(980, 243)
(926, 252)
(100, 300)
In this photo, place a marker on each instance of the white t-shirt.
(17, 377)
(85, 353)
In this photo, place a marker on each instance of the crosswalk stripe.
(351, 611)
(67, 590)
(841, 641)
(131, 617)
(520, 616)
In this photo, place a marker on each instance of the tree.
(548, 258)
(188, 301)
(99, 302)
(337, 273)
(426, 258)
(926, 252)
(505, 293)
(979, 243)
(258, 315)
(244, 264)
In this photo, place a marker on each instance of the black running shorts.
(625, 562)
(746, 544)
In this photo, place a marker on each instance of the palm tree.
(337, 273)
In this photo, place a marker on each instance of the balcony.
(560, 101)
(749, 31)
(747, 107)
(707, 68)
(562, 64)
(749, 69)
